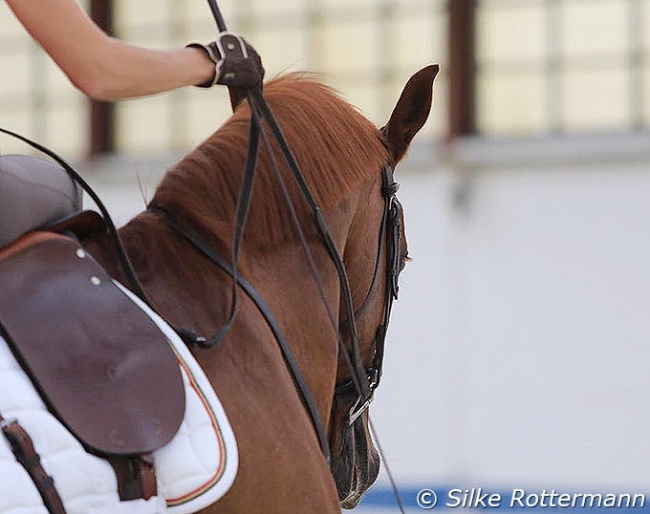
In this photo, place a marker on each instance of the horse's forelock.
(335, 146)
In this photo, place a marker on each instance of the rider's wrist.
(208, 75)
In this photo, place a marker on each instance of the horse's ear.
(411, 111)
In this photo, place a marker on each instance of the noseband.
(390, 234)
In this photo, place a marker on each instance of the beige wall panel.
(131, 13)
(261, 8)
(67, 130)
(645, 108)
(418, 41)
(646, 25)
(18, 121)
(346, 4)
(511, 33)
(202, 31)
(229, 8)
(198, 10)
(205, 114)
(283, 51)
(17, 71)
(349, 47)
(9, 26)
(511, 104)
(144, 125)
(159, 38)
(596, 100)
(594, 27)
(58, 84)
(367, 100)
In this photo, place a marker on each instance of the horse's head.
(375, 252)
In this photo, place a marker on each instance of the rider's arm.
(103, 67)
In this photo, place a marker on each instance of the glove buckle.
(231, 47)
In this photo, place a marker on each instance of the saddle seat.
(33, 193)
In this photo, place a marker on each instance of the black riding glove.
(237, 64)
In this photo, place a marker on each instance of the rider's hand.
(237, 64)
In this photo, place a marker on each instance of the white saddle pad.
(194, 470)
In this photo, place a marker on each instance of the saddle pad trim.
(225, 473)
(219, 437)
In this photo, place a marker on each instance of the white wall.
(519, 347)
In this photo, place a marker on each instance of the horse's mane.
(336, 147)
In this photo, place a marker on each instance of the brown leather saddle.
(100, 363)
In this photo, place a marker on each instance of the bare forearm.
(102, 67)
(127, 71)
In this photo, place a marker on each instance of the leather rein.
(363, 381)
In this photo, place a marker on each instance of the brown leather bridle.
(390, 234)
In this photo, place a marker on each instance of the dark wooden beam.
(462, 67)
(102, 114)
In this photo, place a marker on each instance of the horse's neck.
(286, 282)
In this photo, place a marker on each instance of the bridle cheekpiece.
(391, 231)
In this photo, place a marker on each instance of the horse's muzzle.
(355, 462)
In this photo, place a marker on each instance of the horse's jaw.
(355, 463)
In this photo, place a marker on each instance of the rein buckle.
(357, 410)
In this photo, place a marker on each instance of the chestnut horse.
(281, 466)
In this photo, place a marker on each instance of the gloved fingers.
(237, 63)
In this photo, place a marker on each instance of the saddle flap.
(99, 362)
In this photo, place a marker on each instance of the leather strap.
(260, 108)
(243, 204)
(25, 453)
(135, 476)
